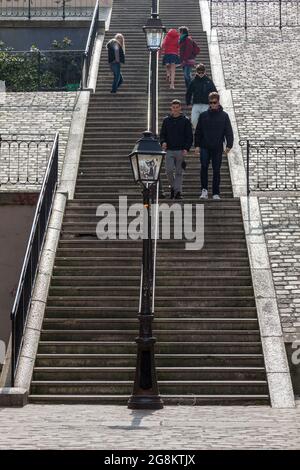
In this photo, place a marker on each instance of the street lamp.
(146, 161)
(154, 32)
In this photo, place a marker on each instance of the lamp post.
(146, 161)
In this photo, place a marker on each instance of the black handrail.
(245, 13)
(32, 256)
(90, 45)
(23, 158)
(50, 9)
(272, 165)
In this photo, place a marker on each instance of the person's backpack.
(196, 49)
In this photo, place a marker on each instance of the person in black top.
(212, 130)
(116, 57)
(176, 138)
(197, 93)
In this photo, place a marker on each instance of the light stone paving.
(116, 427)
(26, 114)
(262, 70)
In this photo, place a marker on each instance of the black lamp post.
(146, 161)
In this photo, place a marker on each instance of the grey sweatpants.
(174, 159)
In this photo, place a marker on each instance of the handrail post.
(246, 25)
(64, 9)
(280, 14)
(29, 10)
(248, 167)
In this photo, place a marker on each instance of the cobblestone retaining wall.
(26, 114)
(262, 70)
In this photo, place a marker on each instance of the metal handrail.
(30, 9)
(272, 164)
(90, 44)
(156, 230)
(32, 256)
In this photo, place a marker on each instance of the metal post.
(29, 9)
(64, 9)
(145, 393)
(153, 86)
(248, 169)
(245, 2)
(39, 70)
(280, 14)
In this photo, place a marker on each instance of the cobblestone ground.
(115, 427)
(26, 114)
(262, 70)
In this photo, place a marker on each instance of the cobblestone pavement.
(262, 70)
(115, 427)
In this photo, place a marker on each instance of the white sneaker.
(204, 194)
(216, 197)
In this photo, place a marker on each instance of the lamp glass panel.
(134, 164)
(154, 37)
(149, 167)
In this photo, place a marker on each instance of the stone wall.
(262, 70)
(28, 114)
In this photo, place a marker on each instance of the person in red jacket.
(170, 50)
(187, 56)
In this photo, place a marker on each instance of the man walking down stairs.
(208, 348)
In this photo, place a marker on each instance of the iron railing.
(23, 159)
(46, 8)
(272, 165)
(31, 260)
(254, 13)
(90, 45)
(41, 70)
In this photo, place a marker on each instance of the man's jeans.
(215, 155)
(118, 79)
(174, 159)
(197, 109)
(187, 72)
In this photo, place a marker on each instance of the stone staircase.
(208, 348)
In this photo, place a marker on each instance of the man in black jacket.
(212, 130)
(197, 93)
(176, 138)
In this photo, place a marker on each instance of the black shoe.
(172, 194)
(178, 195)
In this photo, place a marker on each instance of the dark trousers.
(118, 79)
(215, 156)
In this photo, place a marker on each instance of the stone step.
(163, 312)
(162, 324)
(56, 374)
(162, 335)
(161, 280)
(126, 290)
(161, 253)
(186, 301)
(121, 347)
(161, 264)
(165, 387)
(162, 360)
(169, 400)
